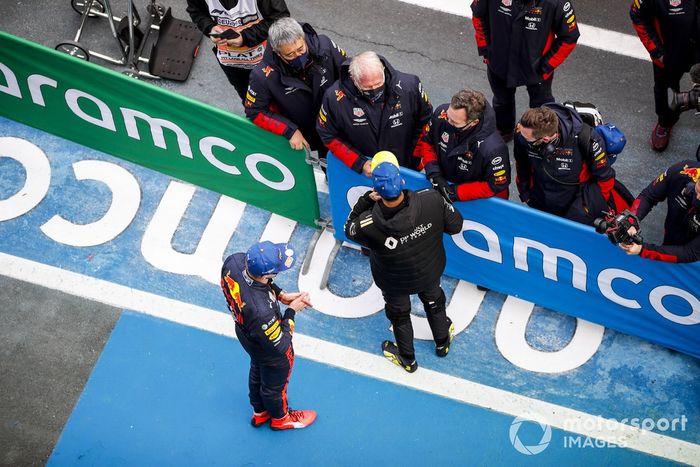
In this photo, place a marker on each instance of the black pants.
(238, 77)
(504, 99)
(267, 386)
(665, 79)
(398, 310)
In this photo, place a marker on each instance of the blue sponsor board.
(559, 264)
(624, 377)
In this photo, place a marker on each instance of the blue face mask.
(300, 62)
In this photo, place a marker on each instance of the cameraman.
(561, 165)
(680, 185)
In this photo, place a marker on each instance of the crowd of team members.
(301, 85)
(304, 87)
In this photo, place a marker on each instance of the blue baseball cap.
(386, 180)
(269, 258)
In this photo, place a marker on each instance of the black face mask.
(374, 95)
(544, 150)
(453, 130)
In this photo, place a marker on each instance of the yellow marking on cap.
(383, 156)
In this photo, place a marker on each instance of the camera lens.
(600, 225)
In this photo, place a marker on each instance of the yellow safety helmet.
(383, 156)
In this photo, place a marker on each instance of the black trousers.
(504, 99)
(398, 310)
(238, 77)
(665, 79)
(267, 386)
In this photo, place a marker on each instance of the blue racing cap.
(269, 258)
(386, 180)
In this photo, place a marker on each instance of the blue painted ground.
(626, 378)
(165, 394)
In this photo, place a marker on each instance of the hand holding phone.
(225, 34)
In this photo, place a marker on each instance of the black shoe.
(443, 350)
(391, 352)
(482, 288)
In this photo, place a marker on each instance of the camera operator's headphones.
(547, 150)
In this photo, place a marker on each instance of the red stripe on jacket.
(560, 55)
(655, 255)
(480, 33)
(343, 152)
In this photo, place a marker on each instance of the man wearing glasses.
(463, 147)
(286, 88)
(374, 107)
(561, 165)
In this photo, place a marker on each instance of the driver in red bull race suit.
(264, 332)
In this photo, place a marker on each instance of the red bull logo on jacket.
(692, 172)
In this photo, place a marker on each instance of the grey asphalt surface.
(50, 341)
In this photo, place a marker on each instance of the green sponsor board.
(150, 126)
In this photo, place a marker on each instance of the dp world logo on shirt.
(529, 450)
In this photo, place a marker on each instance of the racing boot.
(259, 418)
(441, 351)
(391, 352)
(660, 137)
(293, 420)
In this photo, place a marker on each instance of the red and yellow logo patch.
(235, 290)
(692, 172)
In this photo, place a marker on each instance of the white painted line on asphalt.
(357, 361)
(619, 43)
(321, 182)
